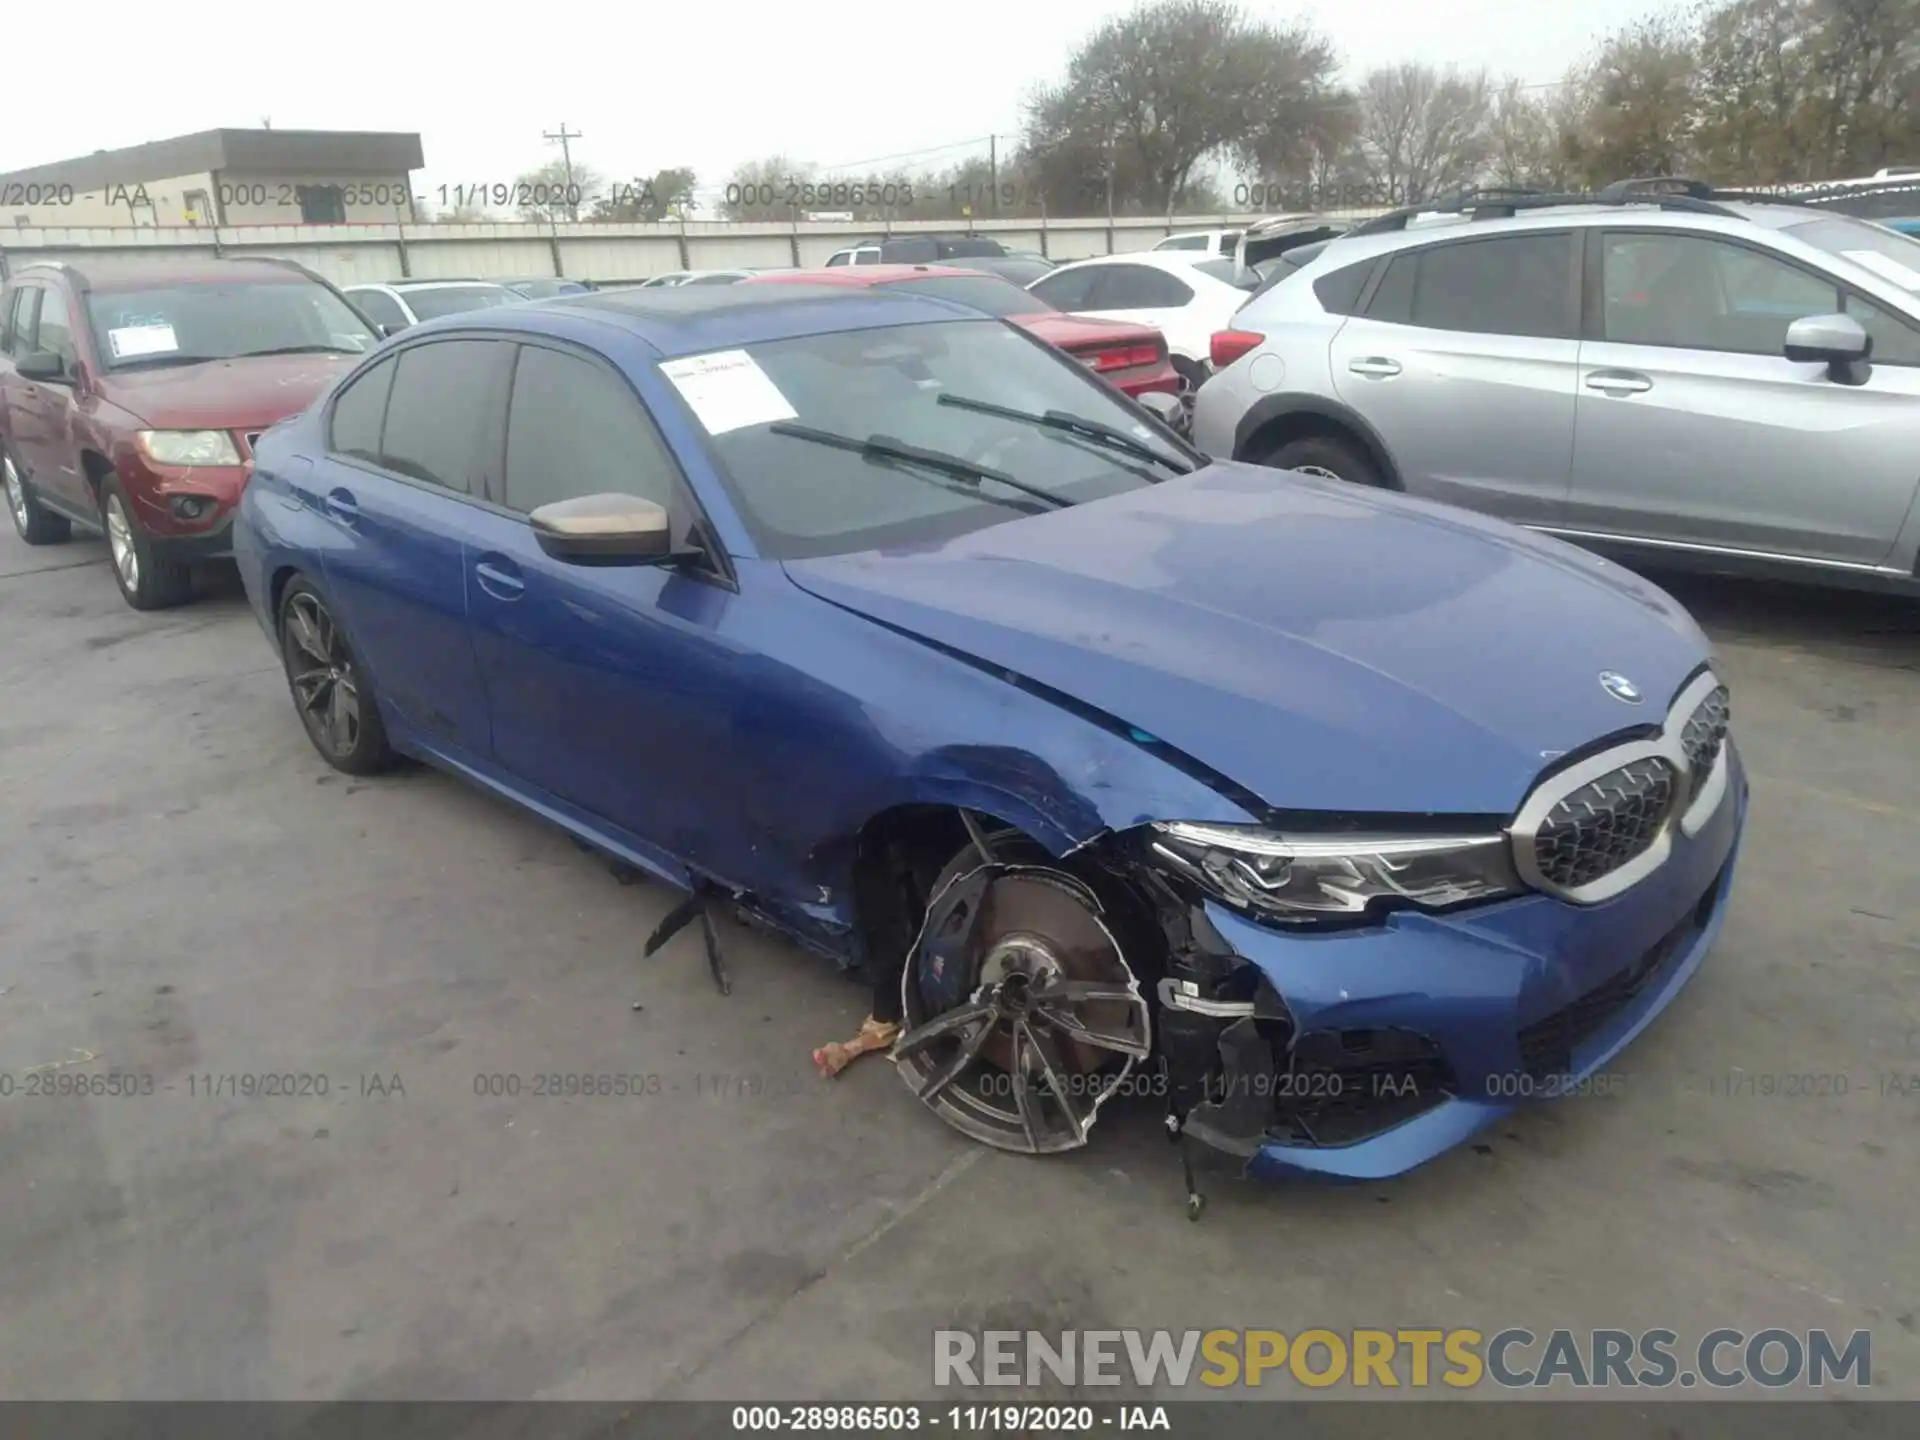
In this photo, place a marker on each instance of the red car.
(131, 392)
(1132, 358)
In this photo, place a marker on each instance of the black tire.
(36, 524)
(1325, 455)
(146, 582)
(331, 691)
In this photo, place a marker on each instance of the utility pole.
(993, 171)
(566, 159)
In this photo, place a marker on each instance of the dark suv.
(131, 392)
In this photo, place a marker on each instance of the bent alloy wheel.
(329, 688)
(1021, 1014)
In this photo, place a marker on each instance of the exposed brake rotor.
(1022, 1014)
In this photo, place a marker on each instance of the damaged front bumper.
(1361, 1054)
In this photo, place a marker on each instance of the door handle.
(1619, 382)
(341, 505)
(499, 577)
(1377, 366)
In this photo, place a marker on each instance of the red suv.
(1132, 358)
(131, 392)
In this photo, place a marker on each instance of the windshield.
(1887, 253)
(452, 299)
(994, 296)
(170, 323)
(1218, 269)
(799, 498)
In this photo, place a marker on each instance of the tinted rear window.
(1339, 291)
(1505, 285)
(438, 415)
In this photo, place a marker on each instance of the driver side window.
(1698, 293)
(573, 429)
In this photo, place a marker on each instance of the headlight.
(189, 447)
(1291, 878)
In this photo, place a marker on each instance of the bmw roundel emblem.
(1619, 687)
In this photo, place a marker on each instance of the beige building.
(224, 177)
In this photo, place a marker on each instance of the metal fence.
(605, 253)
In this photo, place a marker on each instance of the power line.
(913, 154)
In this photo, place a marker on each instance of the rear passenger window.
(573, 429)
(1513, 285)
(1510, 285)
(1138, 287)
(440, 413)
(357, 413)
(1339, 291)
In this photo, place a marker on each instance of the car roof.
(436, 284)
(678, 320)
(1434, 224)
(861, 276)
(1181, 261)
(125, 272)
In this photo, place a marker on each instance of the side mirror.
(1169, 410)
(1837, 341)
(604, 530)
(42, 365)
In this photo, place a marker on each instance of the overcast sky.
(667, 83)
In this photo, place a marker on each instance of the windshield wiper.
(301, 350)
(169, 358)
(1097, 431)
(884, 449)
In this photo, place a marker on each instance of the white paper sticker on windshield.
(131, 340)
(1886, 267)
(728, 390)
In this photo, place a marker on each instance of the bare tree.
(1523, 139)
(1424, 132)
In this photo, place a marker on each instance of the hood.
(1328, 647)
(239, 394)
(1077, 332)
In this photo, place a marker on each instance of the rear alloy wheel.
(146, 581)
(1021, 1014)
(1326, 456)
(36, 524)
(329, 686)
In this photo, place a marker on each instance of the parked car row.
(862, 605)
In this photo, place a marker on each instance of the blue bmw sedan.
(1345, 822)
